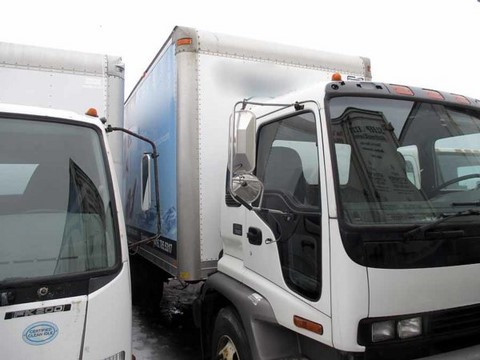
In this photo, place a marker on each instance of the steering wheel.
(455, 180)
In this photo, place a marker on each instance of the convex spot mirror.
(246, 187)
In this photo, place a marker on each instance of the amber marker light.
(402, 90)
(92, 112)
(184, 41)
(337, 77)
(461, 99)
(432, 94)
(307, 325)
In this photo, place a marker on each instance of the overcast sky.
(428, 43)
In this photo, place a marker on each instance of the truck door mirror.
(344, 155)
(412, 164)
(241, 162)
(146, 183)
(242, 142)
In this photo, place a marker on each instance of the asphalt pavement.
(169, 333)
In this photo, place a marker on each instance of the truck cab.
(351, 229)
(64, 271)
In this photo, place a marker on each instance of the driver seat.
(284, 173)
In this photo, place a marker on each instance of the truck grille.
(454, 321)
(444, 331)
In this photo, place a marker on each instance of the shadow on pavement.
(170, 333)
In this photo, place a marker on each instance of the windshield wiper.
(442, 217)
(468, 203)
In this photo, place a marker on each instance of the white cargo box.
(183, 103)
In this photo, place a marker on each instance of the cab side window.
(288, 160)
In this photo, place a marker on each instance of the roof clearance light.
(184, 41)
(432, 94)
(308, 325)
(461, 99)
(337, 77)
(402, 90)
(92, 112)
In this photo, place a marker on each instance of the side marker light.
(184, 41)
(308, 325)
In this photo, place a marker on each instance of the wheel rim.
(226, 349)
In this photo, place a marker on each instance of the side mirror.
(412, 164)
(344, 155)
(242, 142)
(146, 183)
(241, 164)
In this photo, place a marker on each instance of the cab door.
(286, 240)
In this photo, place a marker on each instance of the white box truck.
(324, 219)
(64, 269)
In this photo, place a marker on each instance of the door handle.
(254, 236)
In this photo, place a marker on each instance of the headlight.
(384, 330)
(409, 328)
(395, 329)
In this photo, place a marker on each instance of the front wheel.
(229, 341)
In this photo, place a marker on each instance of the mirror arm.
(230, 153)
(241, 201)
(110, 129)
(272, 211)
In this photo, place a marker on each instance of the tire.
(229, 341)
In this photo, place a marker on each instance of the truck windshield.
(55, 208)
(403, 162)
(402, 165)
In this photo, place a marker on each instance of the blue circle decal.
(40, 333)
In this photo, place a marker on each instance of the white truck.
(64, 269)
(312, 233)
